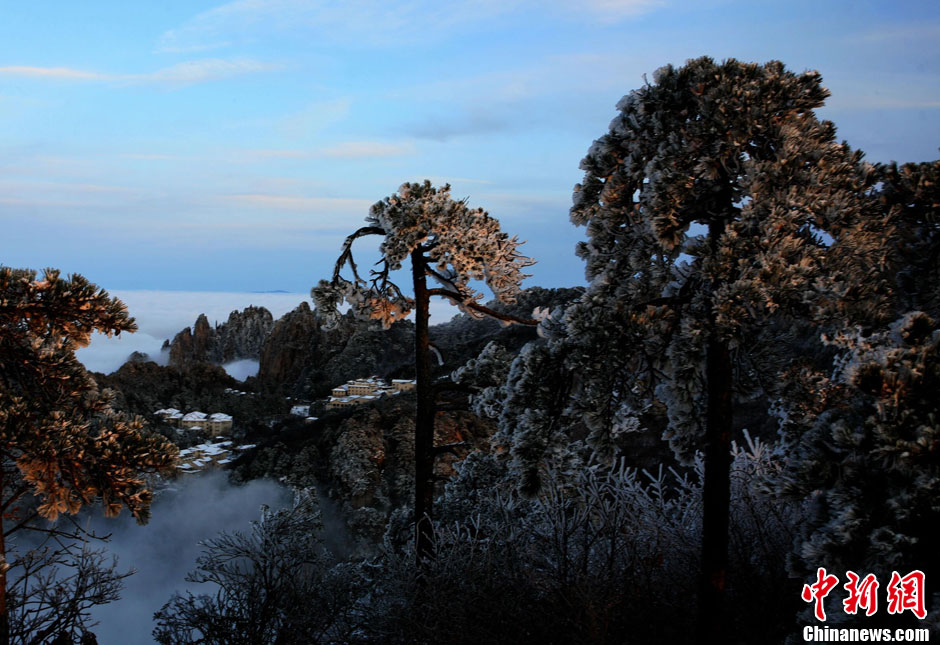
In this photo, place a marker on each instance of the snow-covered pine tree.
(715, 203)
(62, 446)
(862, 433)
(864, 441)
(451, 244)
(909, 197)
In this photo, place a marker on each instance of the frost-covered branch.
(481, 310)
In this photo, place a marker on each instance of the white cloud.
(617, 10)
(358, 149)
(185, 73)
(342, 150)
(369, 22)
(57, 73)
(295, 203)
(882, 103)
(149, 156)
(524, 206)
(523, 96)
(242, 369)
(200, 71)
(275, 154)
(884, 91)
(438, 180)
(905, 33)
(45, 187)
(27, 192)
(315, 117)
(363, 21)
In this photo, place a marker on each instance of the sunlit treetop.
(54, 307)
(454, 244)
(725, 166)
(60, 440)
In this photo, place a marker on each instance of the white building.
(195, 420)
(300, 410)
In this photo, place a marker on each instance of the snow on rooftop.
(219, 416)
(195, 416)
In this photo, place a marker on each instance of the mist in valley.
(195, 508)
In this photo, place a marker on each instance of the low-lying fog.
(165, 550)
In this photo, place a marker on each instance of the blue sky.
(194, 145)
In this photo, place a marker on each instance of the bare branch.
(381, 283)
(15, 495)
(346, 255)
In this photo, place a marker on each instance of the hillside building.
(365, 390)
(217, 422)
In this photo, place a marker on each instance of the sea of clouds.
(160, 315)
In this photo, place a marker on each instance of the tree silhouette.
(453, 245)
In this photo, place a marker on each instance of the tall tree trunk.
(424, 415)
(716, 493)
(716, 490)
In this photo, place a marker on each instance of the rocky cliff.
(240, 337)
(141, 387)
(302, 359)
(299, 358)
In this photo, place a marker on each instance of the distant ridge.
(271, 291)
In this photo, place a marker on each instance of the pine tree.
(451, 244)
(862, 431)
(864, 450)
(716, 203)
(62, 446)
(909, 197)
